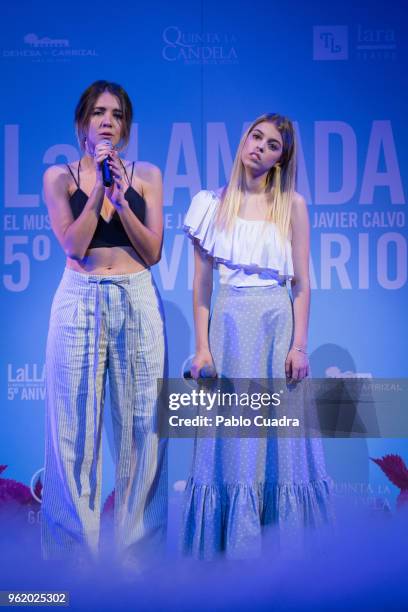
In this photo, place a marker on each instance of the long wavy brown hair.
(86, 103)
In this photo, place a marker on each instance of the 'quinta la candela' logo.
(198, 47)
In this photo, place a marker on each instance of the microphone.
(107, 177)
(205, 372)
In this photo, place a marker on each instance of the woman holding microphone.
(106, 320)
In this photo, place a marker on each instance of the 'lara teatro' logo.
(376, 44)
(362, 43)
(198, 47)
(330, 42)
(26, 381)
(46, 49)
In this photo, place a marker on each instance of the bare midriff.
(108, 261)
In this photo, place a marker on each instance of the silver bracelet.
(300, 349)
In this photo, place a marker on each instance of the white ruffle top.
(251, 254)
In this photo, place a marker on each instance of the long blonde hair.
(280, 180)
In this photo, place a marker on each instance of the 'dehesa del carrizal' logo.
(46, 49)
(198, 47)
(48, 43)
(26, 381)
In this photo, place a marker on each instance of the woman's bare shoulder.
(146, 171)
(298, 200)
(299, 212)
(58, 174)
(219, 192)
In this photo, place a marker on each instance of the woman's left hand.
(296, 365)
(116, 193)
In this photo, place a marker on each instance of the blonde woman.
(256, 232)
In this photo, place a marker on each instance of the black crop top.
(112, 233)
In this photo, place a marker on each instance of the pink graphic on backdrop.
(395, 469)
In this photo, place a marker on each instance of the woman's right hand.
(102, 151)
(201, 359)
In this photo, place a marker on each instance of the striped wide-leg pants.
(104, 326)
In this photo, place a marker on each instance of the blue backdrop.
(197, 74)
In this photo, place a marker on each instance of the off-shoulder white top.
(251, 254)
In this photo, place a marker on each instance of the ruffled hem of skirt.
(229, 518)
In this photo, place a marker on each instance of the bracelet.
(300, 349)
